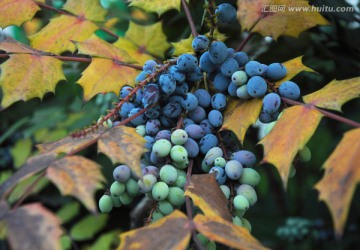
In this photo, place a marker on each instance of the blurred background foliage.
(333, 51)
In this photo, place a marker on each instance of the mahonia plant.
(175, 135)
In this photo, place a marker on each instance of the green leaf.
(88, 227)
(68, 212)
(106, 241)
(21, 151)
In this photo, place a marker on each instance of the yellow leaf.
(225, 232)
(105, 72)
(123, 145)
(239, 115)
(335, 94)
(342, 173)
(86, 9)
(77, 176)
(25, 76)
(159, 6)
(57, 35)
(136, 54)
(293, 67)
(290, 18)
(290, 134)
(206, 194)
(17, 12)
(149, 38)
(37, 227)
(170, 232)
(183, 46)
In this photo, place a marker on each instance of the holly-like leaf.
(183, 46)
(33, 227)
(106, 73)
(342, 174)
(206, 194)
(136, 54)
(290, 134)
(335, 94)
(170, 232)
(278, 17)
(87, 9)
(225, 232)
(240, 115)
(77, 176)
(293, 67)
(159, 6)
(149, 38)
(25, 76)
(17, 12)
(123, 145)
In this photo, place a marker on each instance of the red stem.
(189, 18)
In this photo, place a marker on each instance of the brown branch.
(189, 18)
(250, 35)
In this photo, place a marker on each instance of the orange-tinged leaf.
(335, 94)
(16, 12)
(57, 35)
(293, 67)
(285, 20)
(290, 134)
(105, 72)
(342, 174)
(159, 6)
(77, 176)
(12, 46)
(149, 38)
(26, 76)
(123, 145)
(206, 194)
(225, 232)
(33, 227)
(170, 232)
(88, 9)
(183, 46)
(239, 115)
(135, 53)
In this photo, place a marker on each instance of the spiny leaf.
(282, 21)
(290, 134)
(206, 194)
(342, 174)
(239, 115)
(105, 72)
(225, 232)
(335, 94)
(17, 12)
(183, 46)
(149, 38)
(123, 145)
(159, 6)
(77, 176)
(293, 67)
(135, 53)
(33, 227)
(170, 232)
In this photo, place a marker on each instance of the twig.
(189, 18)
(211, 10)
(250, 34)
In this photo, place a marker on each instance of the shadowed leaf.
(170, 232)
(33, 227)
(289, 22)
(335, 94)
(123, 145)
(290, 134)
(240, 115)
(17, 12)
(159, 6)
(342, 174)
(225, 232)
(77, 176)
(206, 194)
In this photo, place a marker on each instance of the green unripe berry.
(237, 221)
(156, 216)
(250, 176)
(117, 188)
(168, 174)
(226, 191)
(106, 124)
(140, 129)
(246, 224)
(179, 137)
(220, 162)
(160, 191)
(165, 207)
(180, 181)
(247, 191)
(178, 153)
(239, 77)
(181, 164)
(305, 154)
(146, 183)
(126, 199)
(115, 200)
(105, 203)
(132, 187)
(161, 148)
(176, 196)
(241, 203)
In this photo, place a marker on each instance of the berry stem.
(189, 18)
(211, 9)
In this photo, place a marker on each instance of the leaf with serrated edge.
(123, 145)
(225, 232)
(240, 115)
(150, 38)
(183, 46)
(277, 23)
(136, 53)
(33, 227)
(159, 6)
(77, 176)
(88, 9)
(17, 12)
(335, 94)
(206, 194)
(290, 134)
(293, 67)
(170, 232)
(342, 174)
